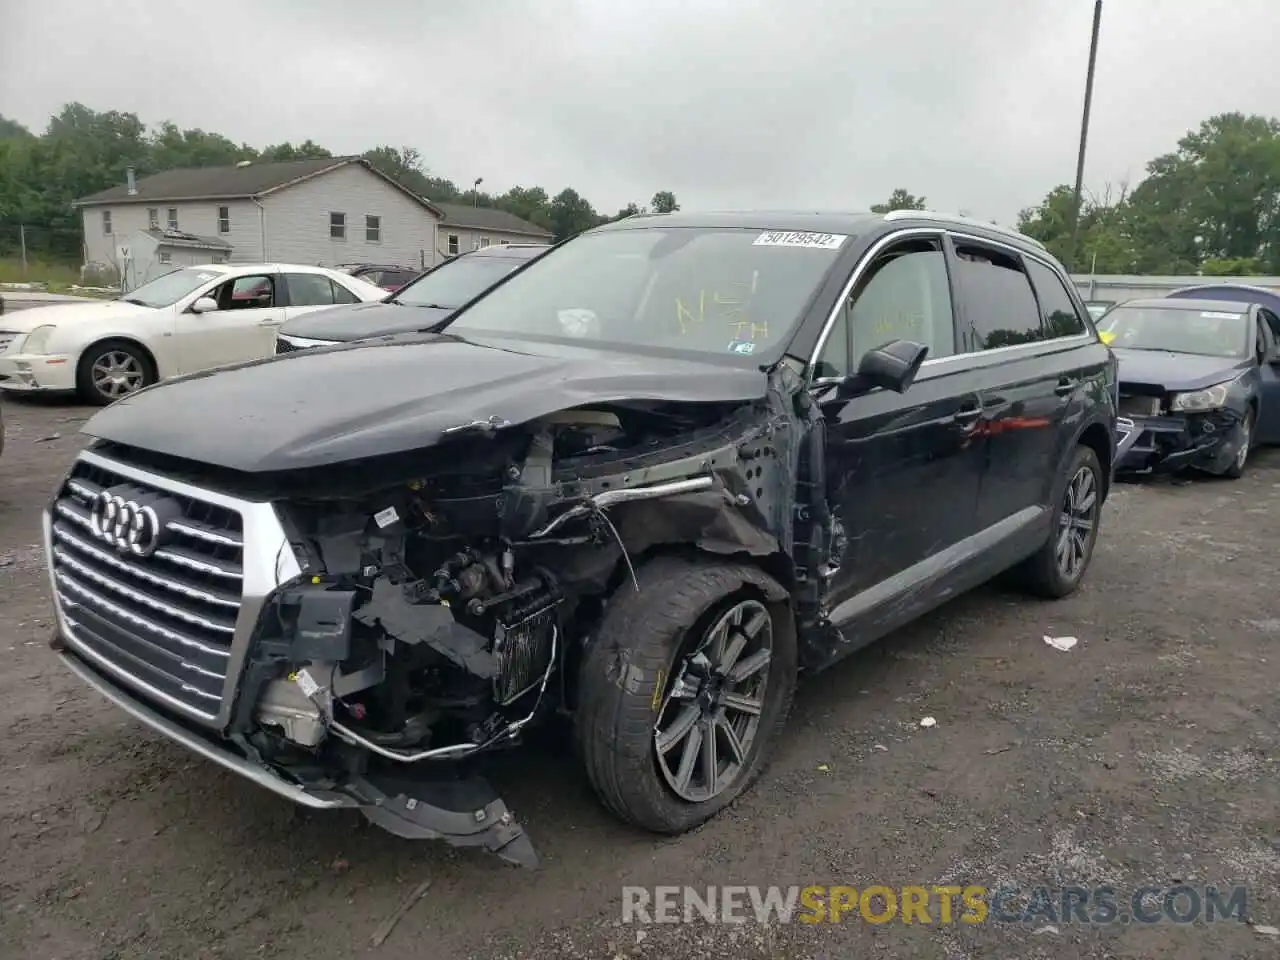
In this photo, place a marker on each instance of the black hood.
(330, 405)
(362, 320)
(1175, 372)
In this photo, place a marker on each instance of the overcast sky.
(729, 103)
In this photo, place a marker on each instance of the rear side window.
(1000, 309)
(309, 290)
(1057, 311)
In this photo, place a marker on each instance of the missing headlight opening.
(447, 598)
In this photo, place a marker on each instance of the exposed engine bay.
(445, 612)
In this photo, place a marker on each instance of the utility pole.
(475, 191)
(22, 242)
(1084, 136)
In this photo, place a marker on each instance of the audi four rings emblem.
(127, 525)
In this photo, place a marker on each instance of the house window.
(373, 229)
(506, 243)
(475, 243)
(219, 258)
(173, 218)
(106, 221)
(164, 257)
(224, 219)
(337, 226)
(453, 244)
(153, 218)
(484, 241)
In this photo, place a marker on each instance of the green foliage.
(1211, 207)
(82, 151)
(899, 200)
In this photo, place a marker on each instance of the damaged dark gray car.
(642, 483)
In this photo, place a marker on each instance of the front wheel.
(1058, 567)
(683, 691)
(110, 370)
(1243, 441)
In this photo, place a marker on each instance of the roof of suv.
(819, 221)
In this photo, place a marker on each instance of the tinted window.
(1056, 307)
(999, 308)
(342, 295)
(903, 296)
(731, 292)
(309, 290)
(247, 293)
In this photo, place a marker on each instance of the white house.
(327, 211)
(467, 227)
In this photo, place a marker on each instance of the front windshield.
(1211, 333)
(683, 289)
(169, 289)
(457, 282)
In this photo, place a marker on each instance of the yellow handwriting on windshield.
(730, 309)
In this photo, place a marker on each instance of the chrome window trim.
(268, 563)
(302, 342)
(937, 363)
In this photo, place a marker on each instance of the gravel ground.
(1147, 754)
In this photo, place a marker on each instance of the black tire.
(629, 670)
(1241, 463)
(1042, 573)
(89, 390)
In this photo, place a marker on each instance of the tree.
(571, 214)
(664, 201)
(899, 200)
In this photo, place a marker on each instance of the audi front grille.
(158, 584)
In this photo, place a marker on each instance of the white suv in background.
(186, 321)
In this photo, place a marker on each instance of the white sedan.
(189, 320)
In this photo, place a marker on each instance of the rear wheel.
(1058, 567)
(112, 369)
(684, 690)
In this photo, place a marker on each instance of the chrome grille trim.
(152, 623)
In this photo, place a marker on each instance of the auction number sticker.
(1216, 315)
(788, 238)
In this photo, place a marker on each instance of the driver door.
(903, 470)
(1268, 427)
(242, 328)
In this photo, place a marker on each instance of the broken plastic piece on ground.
(1061, 643)
(928, 722)
(823, 768)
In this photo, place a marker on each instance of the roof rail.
(957, 219)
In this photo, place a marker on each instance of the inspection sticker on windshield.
(744, 347)
(788, 238)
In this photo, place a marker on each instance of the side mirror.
(204, 305)
(891, 367)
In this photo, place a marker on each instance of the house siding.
(130, 219)
(469, 238)
(297, 222)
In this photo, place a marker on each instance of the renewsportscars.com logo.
(935, 904)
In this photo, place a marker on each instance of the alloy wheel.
(711, 716)
(1076, 523)
(116, 373)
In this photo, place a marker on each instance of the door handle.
(1065, 386)
(967, 415)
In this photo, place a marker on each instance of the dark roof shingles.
(487, 218)
(212, 183)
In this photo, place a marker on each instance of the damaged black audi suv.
(643, 484)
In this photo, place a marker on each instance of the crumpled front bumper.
(463, 812)
(1173, 442)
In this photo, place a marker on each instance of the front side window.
(999, 307)
(1209, 332)
(309, 290)
(373, 229)
(247, 293)
(1057, 310)
(224, 219)
(723, 291)
(337, 226)
(903, 295)
(169, 289)
(342, 295)
(173, 218)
